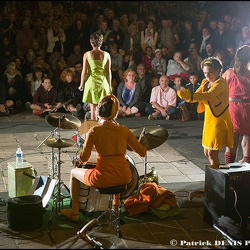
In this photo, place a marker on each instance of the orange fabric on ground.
(150, 196)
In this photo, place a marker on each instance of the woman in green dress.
(96, 74)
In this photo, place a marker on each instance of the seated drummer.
(110, 140)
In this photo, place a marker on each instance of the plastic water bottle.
(19, 158)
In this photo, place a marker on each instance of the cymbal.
(86, 125)
(62, 120)
(152, 137)
(59, 143)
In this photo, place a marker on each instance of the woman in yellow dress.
(96, 74)
(213, 98)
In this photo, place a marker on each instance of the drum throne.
(112, 214)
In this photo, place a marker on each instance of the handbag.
(184, 114)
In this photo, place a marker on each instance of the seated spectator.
(5, 104)
(15, 87)
(44, 99)
(147, 58)
(163, 101)
(193, 85)
(68, 91)
(129, 94)
(35, 50)
(34, 80)
(144, 80)
(158, 64)
(76, 55)
(128, 61)
(78, 71)
(177, 67)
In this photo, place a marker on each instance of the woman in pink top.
(238, 79)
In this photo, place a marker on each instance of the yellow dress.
(96, 85)
(218, 127)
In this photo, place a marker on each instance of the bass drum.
(134, 183)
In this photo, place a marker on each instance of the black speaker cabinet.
(227, 192)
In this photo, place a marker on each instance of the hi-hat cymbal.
(59, 143)
(62, 120)
(152, 137)
(86, 125)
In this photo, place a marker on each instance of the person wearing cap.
(213, 98)
(159, 65)
(110, 141)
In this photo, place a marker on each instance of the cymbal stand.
(57, 194)
(52, 133)
(143, 132)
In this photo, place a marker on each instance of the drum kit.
(150, 137)
(60, 121)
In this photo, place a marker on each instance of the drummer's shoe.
(68, 213)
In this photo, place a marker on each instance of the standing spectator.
(56, 37)
(238, 79)
(79, 35)
(9, 27)
(243, 38)
(116, 35)
(158, 64)
(96, 74)
(163, 101)
(203, 41)
(129, 94)
(168, 35)
(7, 51)
(104, 31)
(213, 95)
(24, 39)
(223, 36)
(149, 36)
(42, 39)
(132, 42)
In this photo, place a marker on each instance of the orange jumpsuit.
(110, 140)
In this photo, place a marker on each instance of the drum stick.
(142, 133)
(85, 126)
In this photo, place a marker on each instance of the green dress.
(96, 85)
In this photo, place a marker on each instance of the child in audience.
(193, 85)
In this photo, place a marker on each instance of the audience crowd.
(145, 39)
